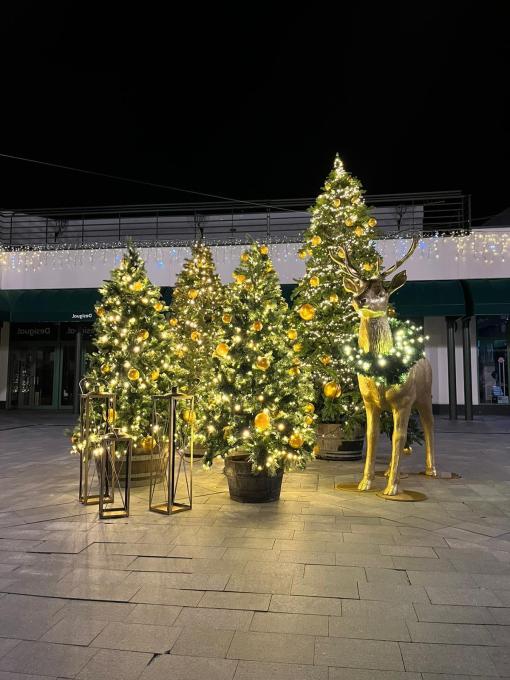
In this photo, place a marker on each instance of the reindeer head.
(371, 295)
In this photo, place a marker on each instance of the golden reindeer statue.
(370, 300)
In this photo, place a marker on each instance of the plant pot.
(141, 465)
(245, 487)
(333, 445)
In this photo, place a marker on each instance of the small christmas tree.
(130, 338)
(194, 323)
(262, 392)
(325, 320)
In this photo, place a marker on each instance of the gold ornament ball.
(372, 222)
(367, 267)
(325, 359)
(245, 257)
(133, 374)
(148, 443)
(314, 281)
(159, 306)
(392, 313)
(302, 254)
(189, 416)
(296, 440)
(294, 370)
(112, 415)
(262, 363)
(262, 421)
(226, 318)
(327, 186)
(316, 449)
(264, 250)
(195, 336)
(309, 408)
(142, 335)
(333, 298)
(239, 278)
(297, 347)
(172, 322)
(222, 349)
(154, 374)
(292, 334)
(106, 368)
(100, 311)
(407, 450)
(316, 240)
(337, 202)
(192, 293)
(359, 231)
(306, 312)
(309, 420)
(332, 390)
(341, 253)
(256, 326)
(348, 222)
(137, 286)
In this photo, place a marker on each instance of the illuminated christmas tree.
(324, 318)
(195, 319)
(130, 338)
(262, 392)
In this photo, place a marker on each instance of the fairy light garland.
(391, 368)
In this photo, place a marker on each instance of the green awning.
(71, 304)
(5, 312)
(429, 298)
(488, 296)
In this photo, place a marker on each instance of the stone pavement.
(324, 585)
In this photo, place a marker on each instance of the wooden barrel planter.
(141, 465)
(333, 445)
(245, 487)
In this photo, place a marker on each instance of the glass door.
(32, 378)
(493, 339)
(68, 372)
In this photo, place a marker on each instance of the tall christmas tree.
(194, 325)
(130, 338)
(262, 392)
(324, 318)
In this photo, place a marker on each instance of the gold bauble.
(222, 349)
(154, 374)
(349, 222)
(106, 368)
(133, 374)
(264, 250)
(333, 298)
(256, 326)
(332, 390)
(262, 363)
(159, 306)
(327, 186)
(296, 440)
(137, 286)
(309, 420)
(302, 254)
(297, 347)
(341, 253)
(296, 361)
(239, 278)
(367, 267)
(337, 202)
(189, 416)
(359, 231)
(325, 359)
(316, 240)
(195, 335)
(294, 370)
(245, 257)
(372, 222)
(309, 408)
(172, 322)
(392, 312)
(142, 335)
(306, 312)
(407, 451)
(192, 293)
(112, 415)
(316, 449)
(262, 421)
(292, 334)
(100, 311)
(314, 281)
(148, 443)
(226, 318)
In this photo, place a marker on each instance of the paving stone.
(500, 615)
(392, 593)
(45, 658)
(500, 635)
(138, 637)
(296, 604)
(208, 642)
(451, 633)
(386, 576)
(318, 588)
(112, 664)
(101, 611)
(74, 631)
(260, 583)
(441, 579)
(501, 659)
(433, 658)
(307, 557)
(352, 653)
(221, 619)
(173, 596)
(359, 674)
(273, 647)
(25, 625)
(155, 614)
(189, 668)
(423, 564)
(367, 628)
(408, 551)
(378, 610)
(299, 624)
(254, 670)
(249, 601)
(439, 613)
(7, 645)
(364, 560)
(478, 597)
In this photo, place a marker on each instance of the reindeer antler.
(346, 265)
(399, 263)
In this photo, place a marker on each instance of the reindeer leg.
(427, 421)
(373, 415)
(400, 421)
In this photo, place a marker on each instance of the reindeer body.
(370, 300)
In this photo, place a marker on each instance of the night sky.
(251, 105)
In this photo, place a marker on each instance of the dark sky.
(247, 104)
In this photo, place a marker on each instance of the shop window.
(493, 342)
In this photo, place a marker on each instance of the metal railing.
(222, 221)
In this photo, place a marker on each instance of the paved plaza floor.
(323, 585)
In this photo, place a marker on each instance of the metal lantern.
(117, 452)
(173, 418)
